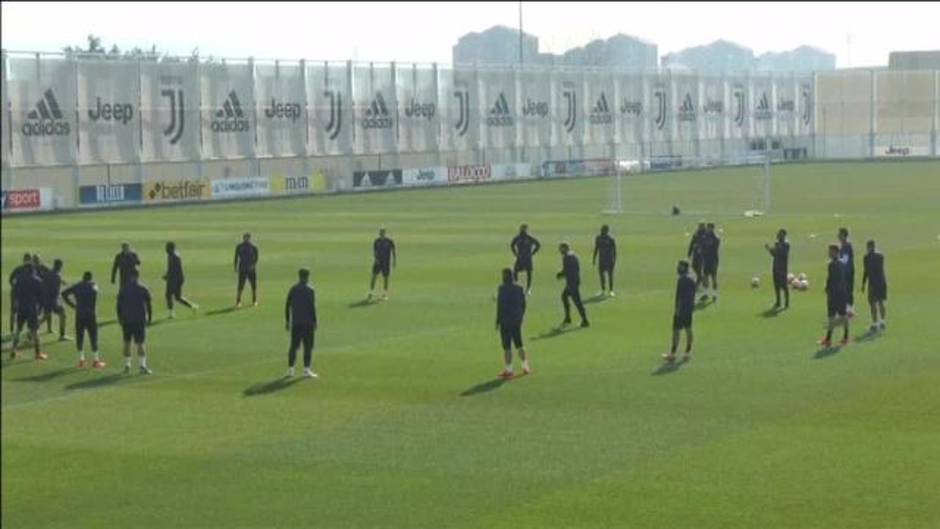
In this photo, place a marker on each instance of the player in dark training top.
(51, 301)
(696, 246)
(174, 280)
(780, 252)
(25, 268)
(125, 262)
(134, 313)
(873, 273)
(847, 258)
(571, 272)
(524, 247)
(682, 317)
(86, 298)
(710, 243)
(246, 261)
(384, 259)
(836, 294)
(300, 318)
(510, 310)
(606, 248)
(27, 291)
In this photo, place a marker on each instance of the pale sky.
(426, 31)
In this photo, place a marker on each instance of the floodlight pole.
(520, 35)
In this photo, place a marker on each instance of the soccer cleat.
(686, 357)
(308, 373)
(505, 374)
(528, 292)
(844, 342)
(565, 322)
(611, 294)
(172, 315)
(385, 296)
(127, 370)
(238, 304)
(42, 356)
(81, 364)
(669, 357)
(145, 371)
(254, 303)
(873, 328)
(98, 364)
(824, 342)
(526, 370)
(882, 325)
(290, 372)
(585, 323)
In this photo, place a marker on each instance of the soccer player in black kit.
(524, 247)
(682, 317)
(25, 268)
(847, 257)
(86, 298)
(51, 302)
(174, 280)
(300, 318)
(710, 243)
(780, 252)
(134, 313)
(125, 262)
(606, 248)
(571, 271)
(873, 273)
(385, 258)
(510, 310)
(836, 295)
(246, 261)
(696, 246)
(27, 291)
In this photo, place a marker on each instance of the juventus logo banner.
(535, 116)
(598, 108)
(228, 104)
(567, 108)
(458, 96)
(42, 111)
(806, 119)
(686, 107)
(375, 110)
(108, 111)
(329, 109)
(712, 122)
(169, 113)
(499, 109)
(763, 106)
(739, 105)
(418, 109)
(660, 108)
(281, 110)
(629, 109)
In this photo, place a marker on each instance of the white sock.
(143, 361)
(96, 355)
(525, 364)
(127, 361)
(81, 355)
(509, 368)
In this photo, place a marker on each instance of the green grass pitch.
(406, 427)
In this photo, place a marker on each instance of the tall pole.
(520, 34)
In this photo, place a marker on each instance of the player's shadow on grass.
(363, 303)
(218, 312)
(704, 303)
(599, 298)
(555, 332)
(869, 336)
(771, 312)
(484, 387)
(47, 376)
(100, 381)
(106, 323)
(826, 352)
(669, 367)
(266, 388)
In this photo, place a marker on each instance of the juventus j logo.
(739, 107)
(571, 98)
(806, 106)
(177, 113)
(463, 102)
(336, 113)
(660, 95)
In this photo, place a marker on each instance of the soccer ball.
(804, 285)
(802, 277)
(790, 278)
(795, 283)
(755, 282)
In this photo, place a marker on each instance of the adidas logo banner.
(376, 109)
(108, 111)
(43, 114)
(499, 109)
(228, 111)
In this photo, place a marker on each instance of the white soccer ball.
(795, 283)
(804, 285)
(790, 278)
(802, 277)
(755, 282)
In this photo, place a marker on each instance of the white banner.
(424, 177)
(240, 187)
(786, 90)
(458, 96)
(498, 108)
(375, 109)
(567, 108)
(329, 108)
(901, 151)
(806, 125)
(42, 109)
(5, 118)
(599, 106)
(763, 106)
(281, 110)
(631, 111)
(169, 113)
(535, 116)
(108, 111)
(661, 110)
(713, 122)
(228, 105)
(739, 112)
(512, 171)
(685, 106)
(418, 110)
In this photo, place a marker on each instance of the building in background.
(498, 45)
(914, 60)
(719, 57)
(802, 59)
(619, 51)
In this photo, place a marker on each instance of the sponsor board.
(469, 174)
(240, 187)
(109, 194)
(176, 190)
(512, 171)
(294, 185)
(900, 151)
(424, 177)
(21, 200)
(665, 163)
(377, 179)
(569, 168)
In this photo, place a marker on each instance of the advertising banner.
(109, 194)
(228, 106)
(108, 111)
(469, 174)
(599, 108)
(567, 108)
(177, 190)
(630, 109)
(661, 107)
(169, 113)
(282, 110)
(377, 179)
(686, 107)
(572, 168)
(424, 177)
(512, 171)
(901, 151)
(714, 111)
(42, 111)
(240, 187)
(375, 109)
(499, 110)
(329, 109)
(739, 110)
(763, 106)
(22, 200)
(419, 114)
(535, 116)
(315, 182)
(459, 100)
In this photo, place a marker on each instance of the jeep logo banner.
(535, 121)
(228, 115)
(424, 177)
(108, 111)
(43, 108)
(631, 110)
(419, 112)
(169, 94)
(281, 110)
